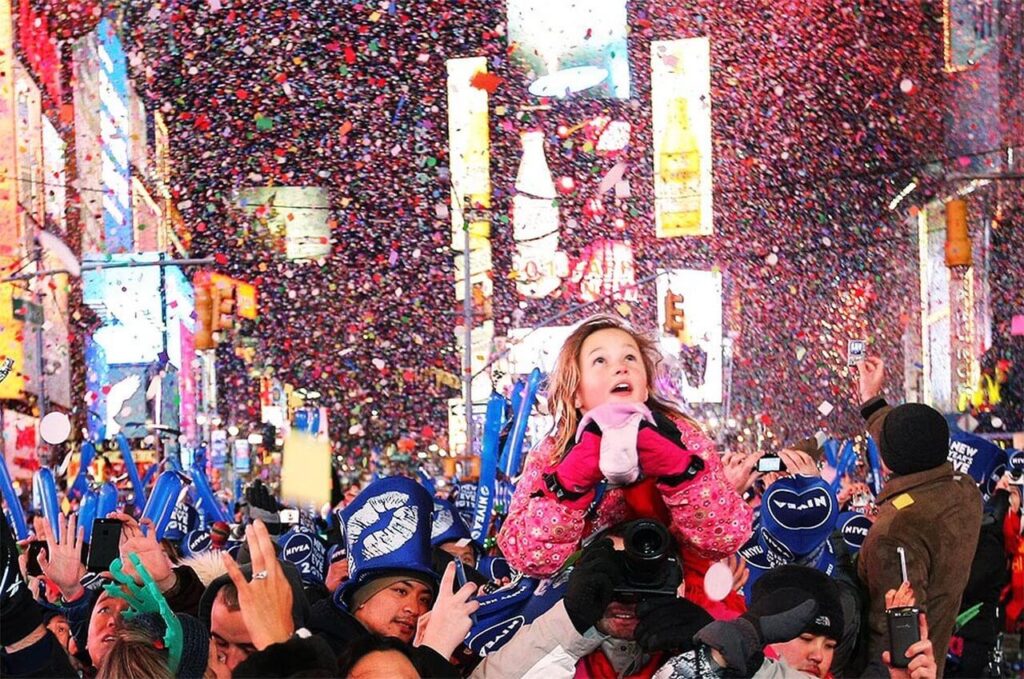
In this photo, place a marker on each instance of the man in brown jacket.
(934, 514)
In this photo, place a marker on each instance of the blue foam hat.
(983, 460)
(387, 531)
(854, 527)
(446, 524)
(763, 552)
(307, 551)
(799, 512)
(184, 520)
(494, 568)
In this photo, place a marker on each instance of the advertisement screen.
(469, 145)
(54, 190)
(935, 309)
(19, 444)
(115, 133)
(681, 117)
(571, 47)
(128, 301)
(529, 349)
(690, 322)
(88, 150)
(298, 214)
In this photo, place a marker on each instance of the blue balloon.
(488, 469)
(162, 501)
(44, 488)
(80, 485)
(14, 508)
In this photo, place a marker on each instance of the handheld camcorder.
(652, 567)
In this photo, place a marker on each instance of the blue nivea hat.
(307, 551)
(983, 460)
(763, 552)
(183, 520)
(387, 530)
(854, 527)
(799, 512)
(446, 524)
(494, 568)
(195, 542)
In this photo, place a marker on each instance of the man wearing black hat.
(932, 513)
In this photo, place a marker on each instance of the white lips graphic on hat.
(443, 520)
(389, 539)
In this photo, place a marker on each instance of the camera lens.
(647, 542)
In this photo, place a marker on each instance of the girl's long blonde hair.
(565, 379)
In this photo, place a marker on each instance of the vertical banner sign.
(12, 358)
(681, 112)
(114, 136)
(469, 146)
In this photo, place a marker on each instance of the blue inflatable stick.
(514, 444)
(875, 467)
(108, 500)
(14, 508)
(212, 509)
(516, 400)
(133, 471)
(80, 485)
(87, 512)
(162, 501)
(44, 488)
(484, 505)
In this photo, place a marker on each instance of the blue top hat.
(307, 551)
(983, 460)
(762, 552)
(195, 542)
(799, 512)
(184, 520)
(446, 524)
(387, 531)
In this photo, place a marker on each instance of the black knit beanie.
(914, 438)
(829, 621)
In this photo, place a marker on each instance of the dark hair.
(367, 644)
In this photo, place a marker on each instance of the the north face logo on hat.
(823, 620)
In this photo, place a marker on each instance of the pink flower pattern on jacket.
(540, 532)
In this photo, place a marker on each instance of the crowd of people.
(632, 547)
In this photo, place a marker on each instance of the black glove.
(669, 624)
(592, 583)
(20, 613)
(775, 617)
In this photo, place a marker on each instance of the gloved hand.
(579, 471)
(662, 453)
(592, 583)
(619, 423)
(20, 613)
(264, 506)
(669, 624)
(778, 616)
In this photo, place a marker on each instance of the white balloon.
(55, 428)
(718, 581)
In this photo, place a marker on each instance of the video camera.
(652, 567)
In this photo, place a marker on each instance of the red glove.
(663, 454)
(574, 479)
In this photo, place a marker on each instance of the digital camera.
(652, 566)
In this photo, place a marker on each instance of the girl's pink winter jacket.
(540, 533)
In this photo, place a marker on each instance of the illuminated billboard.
(88, 149)
(690, 328)
(681, 118)
(54, 189)
(299, 215)
(469, 147)
(571, 47)
(531, 348)
(970, 30)
(128, 300)
(605, 268)
(115, 134)
(936, 328)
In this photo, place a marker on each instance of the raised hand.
(870, 376)
(143, 543)
(741, 470)
(266, 600)
(61, 560)
(799, 462)
(449, 620)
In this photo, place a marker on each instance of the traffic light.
(222, 295)
(204, 313)
(675, 315)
